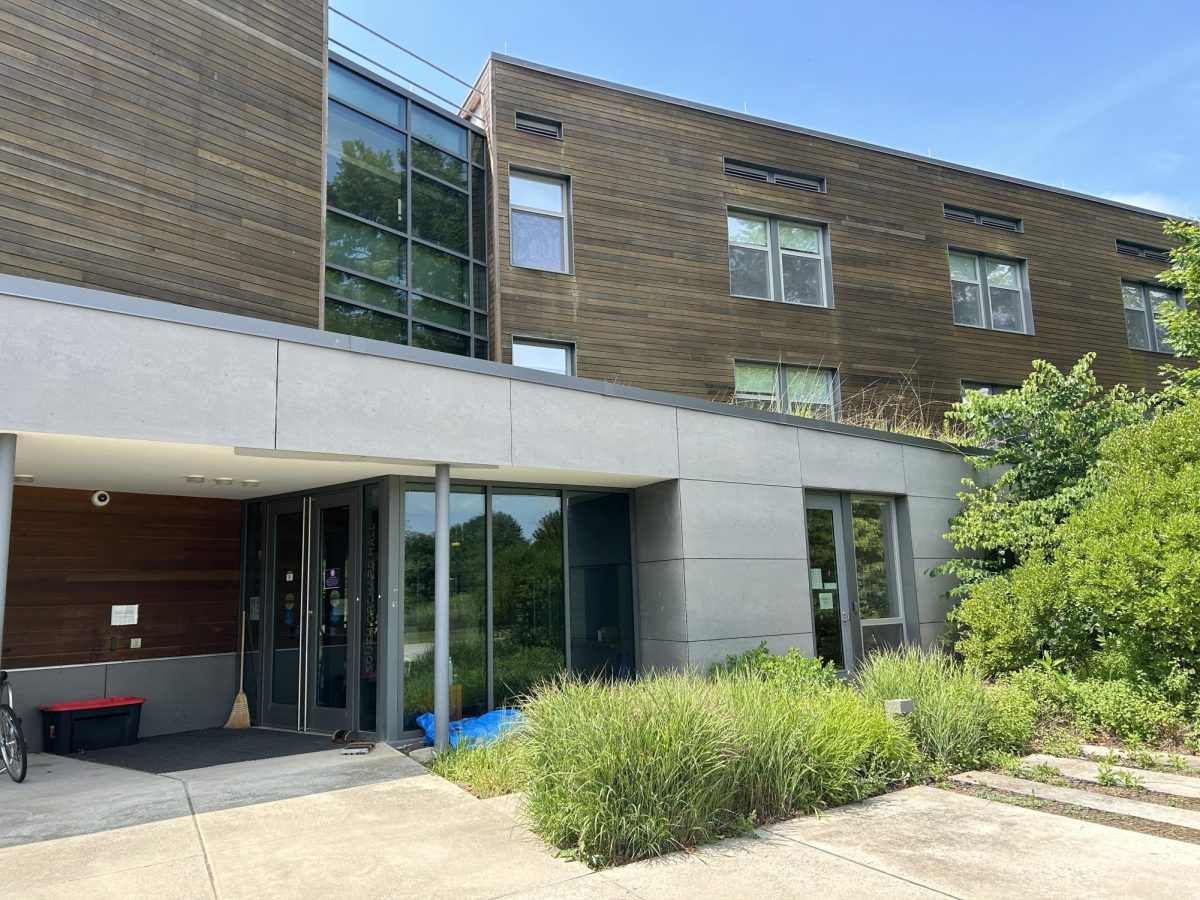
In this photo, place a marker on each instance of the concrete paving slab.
(180, 879)
(977, 848)
(1086, 770)
(1153, 812)
(593, 886)
(1166, 759)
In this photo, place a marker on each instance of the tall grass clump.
(952, 717)
(487, 770)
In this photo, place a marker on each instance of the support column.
(390, 707)
(8, 468)
(441, 607)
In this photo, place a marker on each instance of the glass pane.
(439, 214)
(1007, 310)
(481, 349)
(962, 267)
(535, 193)
(345, 318)
(810, 393)
(478, 149)
(804, 238)
(441, 165)
(823, 581)
(1133, 296)
(285, 577)
(542, 357)
(439, 131)
(1160, 300)
(481, 325)
(480, 289)
(364, 94)
(1135, 329)
(252, 557)
(478, 214)
(1002, 274)
(439, 273)
(369, 647)
(802, 279)
(527, 594)
(749, 272)
(754, 378)
(429, 338)
(356, 245)
(744, 230)
(468, 602)
(969, 387)
(600, 569)
(889, 636)
(876, 596)
(343, 284)
(365, 167)
(441, 313)
(333, 594)
(966, 303)
(537, 241)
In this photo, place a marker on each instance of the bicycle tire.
(13, 750)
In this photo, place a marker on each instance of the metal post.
(8, 468)
(441, 607)
(390, 708)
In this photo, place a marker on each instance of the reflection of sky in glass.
(526, 509)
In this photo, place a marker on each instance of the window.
(1142, 301)
(540, 221)
(989, 292)
(539, 125)
(778, 259)
(1129, 248)
(545, 356)
(979, 217)
(794, 390)
(769, 175)
(987, 388)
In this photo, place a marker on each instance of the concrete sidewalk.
(419, 836)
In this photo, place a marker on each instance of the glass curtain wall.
(405, 242)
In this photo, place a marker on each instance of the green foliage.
(488, 770)
(623, 771)
(793, 669)
(1183, 326)
(1045, 437)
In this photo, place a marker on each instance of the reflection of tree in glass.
(870, 563)
(369, 183)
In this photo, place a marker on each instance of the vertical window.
(874, 573)
(1142, 301)
(540, 233)
(777, 259)
(989, 292)
(545, 356)
(793, 390)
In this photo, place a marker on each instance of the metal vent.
(768, 175)
(803, 184)
(539, 125)
(979, 217)
(746, 172)
(1131, 249)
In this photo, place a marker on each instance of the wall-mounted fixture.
(223, 482)
(194, 479)
(22, 479)
(101, 498)
(250, 483)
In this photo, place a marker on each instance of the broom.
(240, 715)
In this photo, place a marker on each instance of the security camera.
(100, 498)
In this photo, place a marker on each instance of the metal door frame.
(281, 715)
(847, 590)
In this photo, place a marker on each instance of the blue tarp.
(481, 730)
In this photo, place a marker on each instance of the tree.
(1183, 325)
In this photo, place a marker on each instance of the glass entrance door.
(831, 602)
(283, 618)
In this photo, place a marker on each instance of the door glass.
(285, 652)
(527, 591)
(823, 580)
(601, 584)
(252, 557)
(332, 604)
(369, 648)
(876, 600)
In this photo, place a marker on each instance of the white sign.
(826, 601)
(125, 615)
(815, 579)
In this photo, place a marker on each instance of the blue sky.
(1100, 97)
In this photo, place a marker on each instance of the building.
(256, 312)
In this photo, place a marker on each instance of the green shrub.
(793, 669)
(488, 770)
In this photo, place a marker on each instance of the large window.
(540, 218)
(404, 230)
(778, 259)
(989, 292)
(794, 390)
(545, 356)
(1142, 301)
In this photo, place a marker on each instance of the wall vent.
(1129, 248)
(979, 217)
(769, 175)
(539, 125)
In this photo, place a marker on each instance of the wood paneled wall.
(165, 149)
(178, 558)
(649, 303)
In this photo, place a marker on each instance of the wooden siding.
(178, 558)
(170, 150)
(649, 302)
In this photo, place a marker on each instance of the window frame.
(570, 347)
(1156, 346)
(891, 544)
(981, 258)
(564, 182)
(775, 252)
(781, 401)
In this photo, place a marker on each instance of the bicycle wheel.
(12, 745)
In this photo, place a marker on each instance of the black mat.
(209, 747)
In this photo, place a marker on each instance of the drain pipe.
(441, 607)
(8, 469)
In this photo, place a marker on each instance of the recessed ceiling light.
(22, 479)
(250, 482)
(223, 482)
(194, 479)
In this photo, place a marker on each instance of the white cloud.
(1152, 200)
(1165, 162)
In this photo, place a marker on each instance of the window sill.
(540, 269)
(994, 330)
(782, 302)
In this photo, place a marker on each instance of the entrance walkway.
(412, 834)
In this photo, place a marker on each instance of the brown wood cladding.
(178, 558)
(168, 150)
(649, 303)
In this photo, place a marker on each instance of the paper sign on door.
(826, 600)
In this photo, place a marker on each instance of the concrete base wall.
(181, 694)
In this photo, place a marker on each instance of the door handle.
(845, 615)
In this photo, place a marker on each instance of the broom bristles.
(239, 717)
